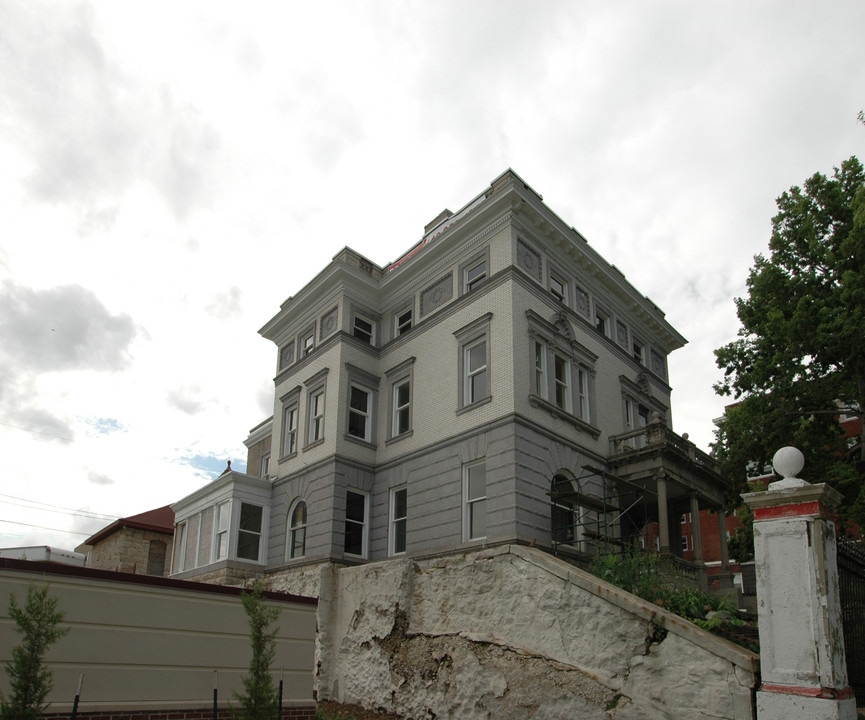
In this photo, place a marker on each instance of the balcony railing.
(657, 436)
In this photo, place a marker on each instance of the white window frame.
(360, 415)
(473, 391)
(292, 530)
(221, 530)
(398, 527)
(290, 415)
(639, 350)
(562, 394)
(603, 323)
(364, 334)
(401, 375)
(403, 321)
(364, 524)
(558, 287)
(308, 341)
(181, 534)
(316, 416)
(247, 531)
(584, 393)
(401, 407)
(539, 359)
(475, 274)
(469, 338)
(473, 503)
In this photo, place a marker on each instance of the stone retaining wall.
(513, 632)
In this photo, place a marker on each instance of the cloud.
(187, 399)
(97, 478)
(62, 328)
(226, 305)
(90, 129)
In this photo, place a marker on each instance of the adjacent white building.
(499, 383)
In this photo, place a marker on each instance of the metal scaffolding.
(593, 510)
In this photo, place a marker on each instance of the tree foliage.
(799, 360)
(30, 680)
(260, 699)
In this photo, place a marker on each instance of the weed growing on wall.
(260, 699)
(30, 680)
(639, 572)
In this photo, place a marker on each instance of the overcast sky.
(170, 172)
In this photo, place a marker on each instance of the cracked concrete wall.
(512, 632)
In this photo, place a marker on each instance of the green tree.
(799, 360)
(29, 679)
(260, 699)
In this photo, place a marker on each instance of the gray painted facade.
(426, 406)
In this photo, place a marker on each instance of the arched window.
(296, 540)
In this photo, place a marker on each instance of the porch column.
(663, 519)
(696, 531)
(802, 660)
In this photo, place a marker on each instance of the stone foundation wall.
(292, 713)
(512, 632)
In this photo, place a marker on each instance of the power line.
(58, 508)
(37, 432)
(43, 527)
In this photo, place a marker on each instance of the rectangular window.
(403, 322)
(475, 275)
(541, 369)
(309, 343)
(289, 431)
(355, 523)
(249, 532)
(180, 547)
(401, 407)
(583, 390)
(221, 526)
(563, 383)
(636, 417)
(473, 362)
(564, 524)
(359, 410)
(476, 379)
(364, 329)
(557, 288)
(316, 416)
(475, 482)
(639, 352)
(602, 323)
(398, 520)
(264, 468)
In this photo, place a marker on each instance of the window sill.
(397, 438)
(559, 414)
(311, 445)
(359, 441)
(286, 458)
(466, 408)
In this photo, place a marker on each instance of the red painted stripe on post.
(815, 692)
(789, 510)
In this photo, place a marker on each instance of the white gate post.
(803, 667)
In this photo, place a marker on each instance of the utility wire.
(58, 508)
(43, 527)
(37, 432)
